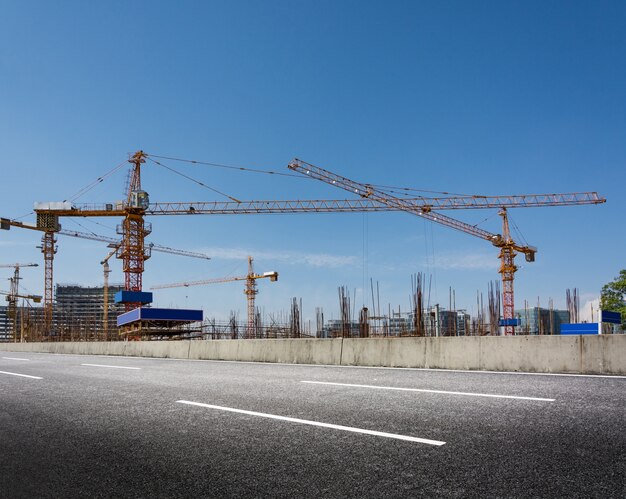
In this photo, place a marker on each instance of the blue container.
(133, 297)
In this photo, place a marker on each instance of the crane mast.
(507, 271)
(134, 230)
(49, 249)
(251, 291)
(105, 284)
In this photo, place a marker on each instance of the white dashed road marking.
(113, 367)
(468, 394)
(21, 375)
(317, 423)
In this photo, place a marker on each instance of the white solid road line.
(13, 358)
(21, 375)
(317, 423)
(469, 394)
(326, 366)
(113, 367)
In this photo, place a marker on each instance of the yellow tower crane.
(34, 298)
(105, 306)
(250, 290)
(504, 242)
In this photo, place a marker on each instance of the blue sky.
(463, 97)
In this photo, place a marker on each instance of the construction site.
(312, 249)
(123, 311)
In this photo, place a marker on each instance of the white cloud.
(289, 257)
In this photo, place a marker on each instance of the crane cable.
(405, 191)
(83, 190)
(229, 167)
(100, 224)
(71, 219)
(194, 180)
(93, 184)
(517, 231)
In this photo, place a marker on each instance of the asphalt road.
(88, 426)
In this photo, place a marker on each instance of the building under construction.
(25, 326)
(80, 314)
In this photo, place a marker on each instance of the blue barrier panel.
(128, 317)
(611, 317)
(586, 328)
(171, 316)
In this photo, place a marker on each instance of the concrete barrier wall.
(303, 351)
(605, 354)
(560, 354)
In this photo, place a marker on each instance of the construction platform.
(158, 321)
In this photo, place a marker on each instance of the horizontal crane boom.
(367, 191)
(273, 276)
(335, 205)
(111, 240)
(35, 298)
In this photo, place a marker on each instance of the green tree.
(613, 295)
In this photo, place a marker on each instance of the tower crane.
(134, 229)
(106, 271)
(250, 290)
(508, 247)
(13, 295)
